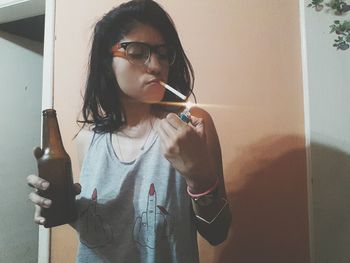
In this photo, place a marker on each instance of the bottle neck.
(51, 140)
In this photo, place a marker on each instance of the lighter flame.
(189, 105)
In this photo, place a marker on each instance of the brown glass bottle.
(55, 166)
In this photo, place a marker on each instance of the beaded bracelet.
(211, 189)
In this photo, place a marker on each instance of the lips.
(153, 81)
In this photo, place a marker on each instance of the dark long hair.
(102, 106)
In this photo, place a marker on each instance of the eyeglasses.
(139, 53)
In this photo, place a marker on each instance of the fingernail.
(45, 185)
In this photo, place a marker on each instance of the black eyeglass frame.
(152, 49)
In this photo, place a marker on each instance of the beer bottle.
(54, 166)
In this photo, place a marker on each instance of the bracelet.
(211, 189)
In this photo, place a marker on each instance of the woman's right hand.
(41, 184)
(38, 184)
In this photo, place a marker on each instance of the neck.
(136, 112)
(138, 117)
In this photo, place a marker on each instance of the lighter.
(185, 115)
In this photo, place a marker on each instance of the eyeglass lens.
(140, 53)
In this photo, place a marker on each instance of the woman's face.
(141, 82)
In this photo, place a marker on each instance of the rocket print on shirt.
(94, 232)
(154, 224)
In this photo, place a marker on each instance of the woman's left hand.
(185, 147)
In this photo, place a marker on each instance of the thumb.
(38, 152)
(198, 125)
(77, 188)
(195, 121)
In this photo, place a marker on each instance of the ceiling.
(11, 10)
(32, 28)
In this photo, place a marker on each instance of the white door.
(20, 107)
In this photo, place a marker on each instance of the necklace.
(149, 133)
(142, 146)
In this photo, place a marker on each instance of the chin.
(152, 100)
(155, 97)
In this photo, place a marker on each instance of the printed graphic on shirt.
(94, 232)
(153, 225)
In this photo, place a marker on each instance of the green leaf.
(309, 5)
(336, 22)
(348, 38)
(346, 24)
(344, 46)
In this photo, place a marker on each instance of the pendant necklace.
(143, 145)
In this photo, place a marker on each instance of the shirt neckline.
(110, 145)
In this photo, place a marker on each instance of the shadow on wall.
(34, 46)
(331, 195)
(269, 203)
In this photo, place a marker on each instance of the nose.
(153, 65)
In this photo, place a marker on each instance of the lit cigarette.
(183, 97)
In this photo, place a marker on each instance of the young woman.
(149, 180)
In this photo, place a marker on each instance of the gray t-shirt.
(133, 212)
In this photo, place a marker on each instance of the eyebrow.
(144, 42)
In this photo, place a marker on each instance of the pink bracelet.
(211, 189)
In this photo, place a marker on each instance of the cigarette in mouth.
(183, 97)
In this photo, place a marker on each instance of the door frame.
(47, 102)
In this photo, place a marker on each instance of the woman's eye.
(137, 52)
(163, 54)
(136, 55)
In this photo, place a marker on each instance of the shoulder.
(83, 141)
(84, 136)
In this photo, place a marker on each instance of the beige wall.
(246, 56)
